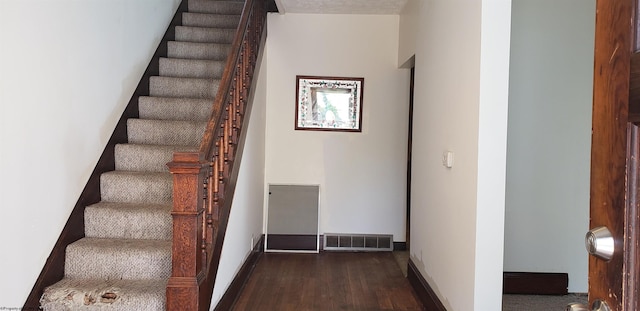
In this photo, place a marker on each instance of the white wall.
(461, 88)
(362, 176)
(245, 221)
(547, 211)
(67, 70)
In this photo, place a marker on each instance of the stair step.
(165, 132)
(198, 50)
(183, 87)
(147, 158)
(128, 221)
(83, 294)
(215, 7)
(191, 68)
(168, 108)
(127, 259)
(136, 187)
(210, 20)
(204, 35)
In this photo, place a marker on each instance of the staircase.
(125, 259)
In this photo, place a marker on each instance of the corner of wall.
(408, 28)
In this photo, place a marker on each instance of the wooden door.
(614, 156)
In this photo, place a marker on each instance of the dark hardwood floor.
(327, 281)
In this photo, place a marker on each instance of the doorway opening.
(409, 148)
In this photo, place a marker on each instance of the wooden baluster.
(205, 220)
(232, 134)
(240, 76)
(225, 130)
(249, 65)
(238, 79)
(211, 222)
(212, 191)
(215, 212)
(234, 117)
(211, 208)
(223, 158)
(225, 137)
(232, 127)
(221, 172)
(243, 79)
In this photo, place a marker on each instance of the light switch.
(447, 159)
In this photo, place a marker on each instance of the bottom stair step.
(128, 259)
(116, 295)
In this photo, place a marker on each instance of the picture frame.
(329, 103)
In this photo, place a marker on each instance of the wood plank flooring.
(327, 281)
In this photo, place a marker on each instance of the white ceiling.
(341, 6)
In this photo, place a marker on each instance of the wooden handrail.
(204, 181)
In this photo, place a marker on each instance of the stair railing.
(204, 181)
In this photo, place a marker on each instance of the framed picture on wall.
(329, 103)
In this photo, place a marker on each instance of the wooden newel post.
(187, 271)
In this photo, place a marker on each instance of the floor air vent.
(358, 242)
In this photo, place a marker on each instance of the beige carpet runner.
(124, 261)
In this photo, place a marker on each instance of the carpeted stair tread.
(215, 7)
(128, 221)
(136, 187)
(148, 158)
(183, 87)
(210, 20)
(204, 34)
(126, 259)
(198, 50)
(171, 108)
(165, 132)
(191, 68)
(94, 295)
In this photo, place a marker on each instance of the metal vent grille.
(358, 242)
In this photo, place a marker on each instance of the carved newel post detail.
(187, 271)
